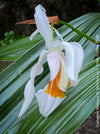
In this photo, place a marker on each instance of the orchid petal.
(33, 34)
(37, 68)
(58, 34)
(42, 24)
(63, 83)
(54, 64)
(74, 59)
(69, 60)
(47, 104)
(57, 46)
(79, 56)
(28, 96)
(29, 89)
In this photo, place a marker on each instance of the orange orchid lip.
(53, 88)
(53, 19)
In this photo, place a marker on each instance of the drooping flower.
(64, 67)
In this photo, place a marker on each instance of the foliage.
(81, 99)
(9, 38)
(17, 48)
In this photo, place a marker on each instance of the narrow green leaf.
(83, 23)
(80, 101)
(78, 105)
(17, 48)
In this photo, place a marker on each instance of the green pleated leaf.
(78, 105)
(80, 101)
(88, 24)
(17, 48)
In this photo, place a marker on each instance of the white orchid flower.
(64, 67)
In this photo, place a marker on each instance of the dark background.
(12, 11)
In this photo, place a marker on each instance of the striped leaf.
(80, 101)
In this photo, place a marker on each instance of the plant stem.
(52, 31)
(79, 32)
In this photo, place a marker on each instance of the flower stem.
(79, 32)
(52, 31)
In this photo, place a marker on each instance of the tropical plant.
(81, 100)
(9, 38)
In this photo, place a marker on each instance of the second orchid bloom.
(64, 60)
